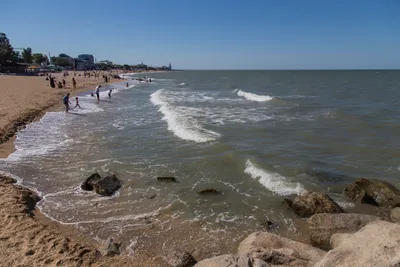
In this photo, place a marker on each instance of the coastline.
(29, 238)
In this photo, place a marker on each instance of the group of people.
(66, 101)
(60, 84)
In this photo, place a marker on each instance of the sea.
(255, 136)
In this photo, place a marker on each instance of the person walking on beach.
(77, 103)
(66, 102)
(97, 92)
(109, 93)
(64, 83)
(74, 83)
(52, 83)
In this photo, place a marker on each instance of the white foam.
(273, 181)
(254, 97)
(180, 123)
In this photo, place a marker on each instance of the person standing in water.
(109, 93)
(97, 92)
(66, 102)
(77, 103)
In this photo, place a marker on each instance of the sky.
(212, 34)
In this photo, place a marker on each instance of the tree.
(16, 57)
(127, 67)
(6, 50)
(27, 55)
(39, 58)
(64, 55)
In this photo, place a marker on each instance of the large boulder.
(375, 192)
(322, 226)
(313, 202)
(278, 250)
(376, 244)
(395, 215)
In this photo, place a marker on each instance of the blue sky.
(218, 34)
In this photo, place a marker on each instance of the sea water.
(255, 136)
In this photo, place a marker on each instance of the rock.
(275, 250)
(337, 239)
(373, 192)
(395, 215)
(376, 244)
(227, 260)
(322, 226)
(150, 195)
(106, 186)
(87, 184)
(313, 202)
(245, 261)
(179, 258)
(166, 179)
(267, 224)
(210, 191)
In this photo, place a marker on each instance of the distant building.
(105, 62)
(87, 58)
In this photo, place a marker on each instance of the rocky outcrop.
(313, 202)
(105, 186)
(337, 239)
(395, 215)
(323, 225)
(277, 250)
(179, 258)
(373, 192)
(167, 179)
(229, 260)
(376, 244)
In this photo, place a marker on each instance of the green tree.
(6, 49)
(64, 55)
(16, 57)
(39, 58)
(27, 55)
(127, 67)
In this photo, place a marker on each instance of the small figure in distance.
(77, 103)
(109, 93)
(74, 82)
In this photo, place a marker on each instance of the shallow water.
(256, 136)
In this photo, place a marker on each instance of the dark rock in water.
(210, 191)
(150, 195)
(374, 192)
(313, 202)
(106, 186)
(87, 184)
(179, 258)
(166, 179)
(323, 225)
(267, 224)
(288, 203)
(113, 248)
